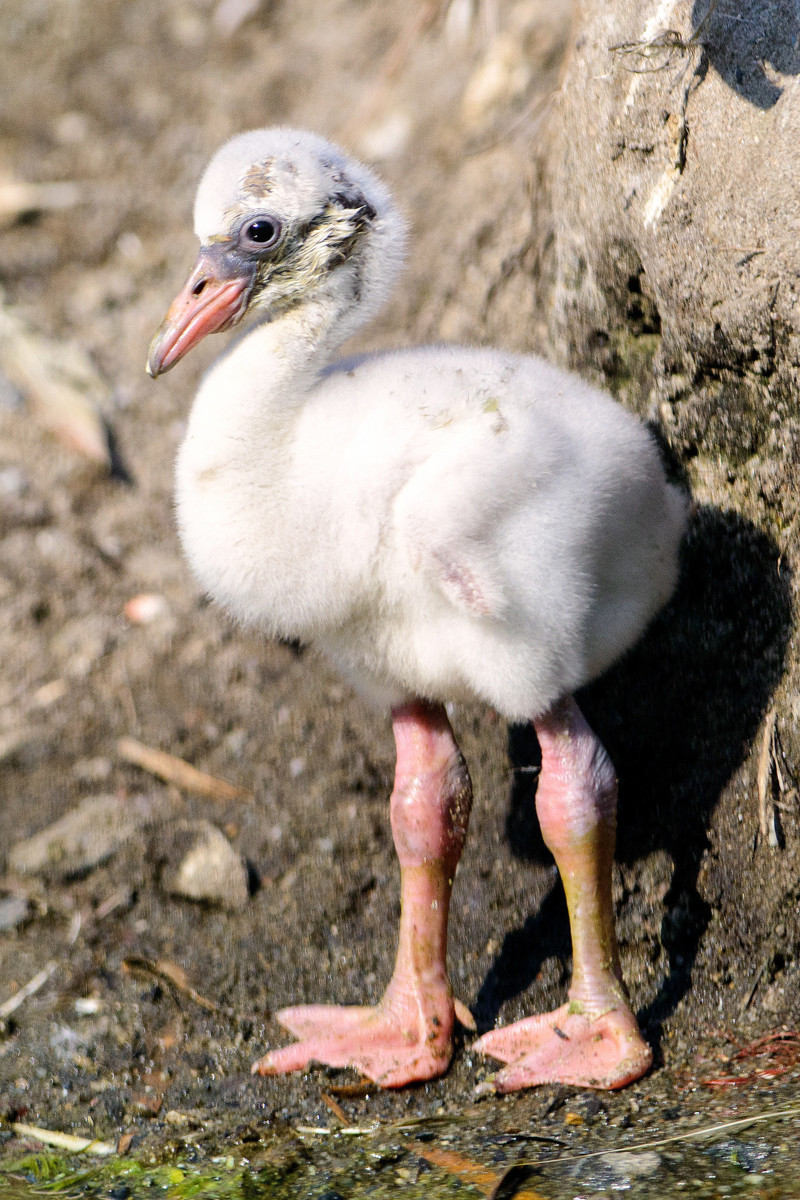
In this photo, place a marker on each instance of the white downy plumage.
(441, 522)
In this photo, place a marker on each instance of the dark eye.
(261, 233)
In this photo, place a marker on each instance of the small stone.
(145, 608)
(93, 770)
(84, 837)
(87, 1006)
(13, 911)
(174, 1117)
(629, 1165)
(201, 864)
(146, 1104)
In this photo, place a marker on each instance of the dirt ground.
(129, 99)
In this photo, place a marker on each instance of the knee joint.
(430, 813)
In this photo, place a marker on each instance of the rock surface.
(666, 266)
(86, 836)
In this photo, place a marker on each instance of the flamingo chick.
(443, 523)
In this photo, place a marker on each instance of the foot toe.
(306, 1020)
(564, 1047)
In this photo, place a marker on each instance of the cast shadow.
(677, 715)
(742, 41)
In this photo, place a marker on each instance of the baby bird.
(443, 523)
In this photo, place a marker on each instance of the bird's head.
(283, 216)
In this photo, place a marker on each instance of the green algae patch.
(117, 1179)
(626, 360)
(376, 1172)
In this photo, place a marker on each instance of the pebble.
(13, 911)
(145, 608)
(619, 1170)
(201, 864)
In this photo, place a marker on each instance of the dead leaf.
(60, 383)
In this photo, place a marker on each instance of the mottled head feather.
(326, 202)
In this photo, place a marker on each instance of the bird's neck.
(249, 401)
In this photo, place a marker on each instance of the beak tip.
(156, 355)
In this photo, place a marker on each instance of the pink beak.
(207, 303)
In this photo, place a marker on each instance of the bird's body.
(443, 523)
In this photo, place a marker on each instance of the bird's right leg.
(592, 1040)
(407, 1036)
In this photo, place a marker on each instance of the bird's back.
(520, 532)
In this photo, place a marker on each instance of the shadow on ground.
(678, 715)
(747, 45)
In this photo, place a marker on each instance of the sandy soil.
(129, 99)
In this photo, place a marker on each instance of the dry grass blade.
(175, 770)
(706, 1133)
(172, 974)
(491, 1183)
(660, 52)
(335, 1107)
(64, 1141)
(31, 987)
(765, 761)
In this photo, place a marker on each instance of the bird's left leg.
(592, 1040)
(407, 1036)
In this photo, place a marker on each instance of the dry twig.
(172, 974)
(391, 67)
(175, 770)
(767, 770)
(335, 1107)
(64, 1141)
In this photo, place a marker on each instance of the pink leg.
(593, 1040)
(408, 1035)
